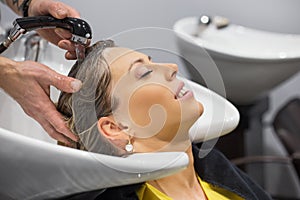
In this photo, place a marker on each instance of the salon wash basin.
(34, 167)
(251, 62)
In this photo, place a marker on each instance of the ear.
(110, 129)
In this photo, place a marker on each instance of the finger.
(52, 132)
(51, 120)
(88, 42)
(60, 10)
(56, 135)
(70, 55)
(47, 90)
(55, 119)
(63, 33)
(61, 82)
(66, 45)
(57, 10)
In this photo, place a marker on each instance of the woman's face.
(152, 102)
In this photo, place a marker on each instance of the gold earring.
(129, 147)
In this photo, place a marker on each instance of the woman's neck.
(182, 185)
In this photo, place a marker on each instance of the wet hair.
(82, 110)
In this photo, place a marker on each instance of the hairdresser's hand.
(29, 83)
(56, 36)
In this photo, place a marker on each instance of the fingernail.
(76, 85)
(61, 12)
(63, 45)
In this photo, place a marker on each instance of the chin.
(200, 108)
(194, 113)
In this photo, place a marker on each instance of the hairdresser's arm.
(58, 10)
(29, 83)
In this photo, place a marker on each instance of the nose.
(171, 70)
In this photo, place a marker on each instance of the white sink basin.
(251, 62)
(33, 169)
(12, 116)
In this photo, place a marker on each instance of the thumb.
(64, 83)
(60, 10)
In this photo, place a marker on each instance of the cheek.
(154, 100)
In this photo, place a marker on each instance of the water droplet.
(80, 52)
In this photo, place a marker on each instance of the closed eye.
(141, 71)
(147, 73)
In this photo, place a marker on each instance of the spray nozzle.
(80, 29)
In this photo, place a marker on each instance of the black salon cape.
(213, 168)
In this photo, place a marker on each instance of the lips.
(181, 91)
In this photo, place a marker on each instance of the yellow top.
(148, 192)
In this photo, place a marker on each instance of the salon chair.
(286, 126)
(34, 169)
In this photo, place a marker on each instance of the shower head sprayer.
(80, 29)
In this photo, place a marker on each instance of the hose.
(2, 48)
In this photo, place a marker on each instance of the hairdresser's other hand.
(56, 36)
(29, 83)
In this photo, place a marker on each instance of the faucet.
(30, 46)
(204, 21)
(220, 22)
(34, 45)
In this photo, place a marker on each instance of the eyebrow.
(139, 60)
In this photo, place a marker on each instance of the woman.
(129, 104)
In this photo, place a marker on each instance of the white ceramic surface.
(250, 61)
(33, 169)
(12, 116)
(219, 117)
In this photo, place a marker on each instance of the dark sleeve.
(217, 170)
(260, 193)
